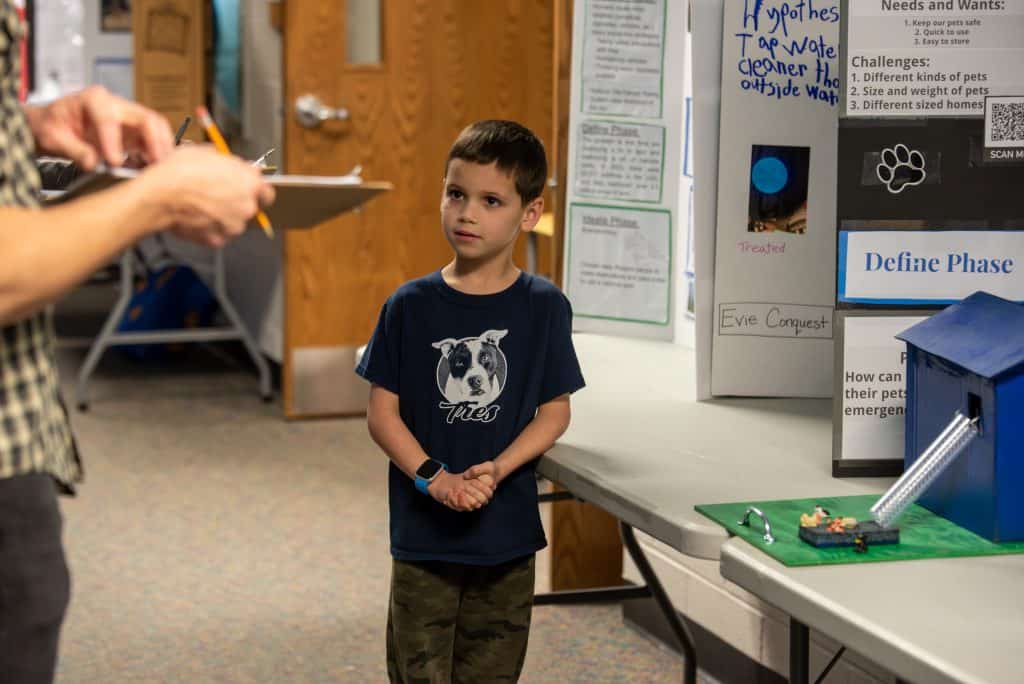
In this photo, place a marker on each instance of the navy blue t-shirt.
(470, 372)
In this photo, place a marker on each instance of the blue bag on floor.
(170, 298)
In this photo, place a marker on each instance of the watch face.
(428, 470)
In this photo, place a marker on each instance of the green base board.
(922, 533)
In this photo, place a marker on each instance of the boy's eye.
(455, 194)
(493, 201)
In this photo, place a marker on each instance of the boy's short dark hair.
(514, 147)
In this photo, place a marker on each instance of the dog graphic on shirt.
(471, 373)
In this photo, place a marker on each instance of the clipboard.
(307, 201)
(302, 202)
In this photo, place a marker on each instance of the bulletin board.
(624, 257)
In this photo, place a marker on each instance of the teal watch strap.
(422, 484)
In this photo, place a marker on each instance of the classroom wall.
(68, 41)
(113, 48)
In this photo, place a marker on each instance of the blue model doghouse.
(970, 358)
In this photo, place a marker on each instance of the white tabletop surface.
(641, 447)
(930, 621)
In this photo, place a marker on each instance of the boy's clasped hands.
(467, 491)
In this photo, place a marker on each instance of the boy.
(471, 370)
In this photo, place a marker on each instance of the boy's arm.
(538, 436)
(391, 434)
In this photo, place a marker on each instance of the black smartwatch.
(426, 473)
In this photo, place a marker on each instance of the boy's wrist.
(427, 473)
(499, 472)
(431, 487)
(441, 488)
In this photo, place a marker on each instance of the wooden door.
(443, 64)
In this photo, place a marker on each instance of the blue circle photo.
(769, 175)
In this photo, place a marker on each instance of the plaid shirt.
(35, 435)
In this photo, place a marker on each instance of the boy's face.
(481, 212)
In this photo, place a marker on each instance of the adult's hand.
(206, 197)
(94, 125)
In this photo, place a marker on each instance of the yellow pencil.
(213, 133)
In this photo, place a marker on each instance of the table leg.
(679, 628)
(653, 589)
(799, 651)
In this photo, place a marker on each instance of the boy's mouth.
(464, 235)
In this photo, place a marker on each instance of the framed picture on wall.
(116, 16)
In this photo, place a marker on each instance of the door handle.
(311, 112)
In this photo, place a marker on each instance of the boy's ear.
(532, 214)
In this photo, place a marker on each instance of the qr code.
(1007, 121)
(1004, 122)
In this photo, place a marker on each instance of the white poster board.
(776, 236)
(871, 392)
(927, 58)
(707, 94)
(686, 299)
(625, 149)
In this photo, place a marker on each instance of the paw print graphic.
(900, 168)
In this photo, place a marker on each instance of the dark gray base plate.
(870, 531)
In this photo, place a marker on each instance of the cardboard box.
(171, 46)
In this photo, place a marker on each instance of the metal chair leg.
(102, 341)
(220, 292)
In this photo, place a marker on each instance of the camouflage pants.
(459, 624)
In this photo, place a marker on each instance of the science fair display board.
(914, 58)
(686, 301)
(775, 241)
(929, 203)
(623, 258)
(706, 72)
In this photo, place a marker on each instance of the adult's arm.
(203, 196)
